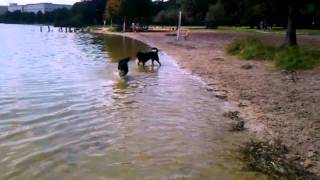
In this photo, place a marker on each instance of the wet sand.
(272, 104)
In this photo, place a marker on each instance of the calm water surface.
(65, 113)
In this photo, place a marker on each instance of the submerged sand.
(275, 104)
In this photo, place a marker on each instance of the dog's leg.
(152, 62)
(158, 62)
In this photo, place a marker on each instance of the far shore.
(273, 106)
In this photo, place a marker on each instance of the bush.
(251, 48)
(297, 58)
(291, 58)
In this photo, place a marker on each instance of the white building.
(15, 7)
(35, 8)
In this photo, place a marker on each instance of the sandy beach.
(276, 105)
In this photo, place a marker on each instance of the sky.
(6, 2)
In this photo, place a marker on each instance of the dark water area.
(65, 113)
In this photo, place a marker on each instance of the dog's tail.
(155, 49)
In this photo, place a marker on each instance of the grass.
(270, 159)
(297, 58)
(278, 30)
(289, 58)
(251, 48)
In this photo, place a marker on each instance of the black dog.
(123, 66)
(144, 57)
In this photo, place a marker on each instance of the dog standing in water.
(144, 57)
(123, 66)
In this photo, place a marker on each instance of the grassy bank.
(289, 58)
(277, 30)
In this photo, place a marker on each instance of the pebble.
(247, 66)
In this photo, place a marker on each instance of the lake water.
(65, 113)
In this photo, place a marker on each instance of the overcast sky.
(6, 2)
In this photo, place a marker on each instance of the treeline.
(81, 14)
(211, 13)
(216, 12)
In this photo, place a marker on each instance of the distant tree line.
(237, 12)
(195, 12)
(81, 14)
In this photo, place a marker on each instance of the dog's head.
(124, 61)
(140, 55)
(155, 49)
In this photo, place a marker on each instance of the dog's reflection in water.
(123, 82)
(148, 69)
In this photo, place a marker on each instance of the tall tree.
(114, 8)
(291, 36)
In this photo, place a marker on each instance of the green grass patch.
(291, 58)
(295, 58)
(276, 30)
(251, 48)
(309, 31)
(235, 29)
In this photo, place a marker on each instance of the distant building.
(15, 7)
(35, 8)
(3, 9)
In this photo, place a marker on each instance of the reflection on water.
(65, 113)
(115, 45)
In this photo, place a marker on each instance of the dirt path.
(274, 106)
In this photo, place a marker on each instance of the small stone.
(218, 59)
(221, 96)
(247, 66)
(237, 126)
(243, 104)
(307, 163)
(210, 89)
(311, 154)
(234, 115)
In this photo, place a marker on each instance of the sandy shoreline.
(273, 106)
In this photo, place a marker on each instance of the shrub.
(290, 58)
(297, 58)
(251, 48)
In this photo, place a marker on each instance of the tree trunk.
(291, 37)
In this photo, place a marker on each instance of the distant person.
(265, 25)
(261, 25)
(133, 26)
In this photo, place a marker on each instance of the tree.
(114, 8)
(291, 36)
(137, 10)
(40, 17)
(215, 15)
